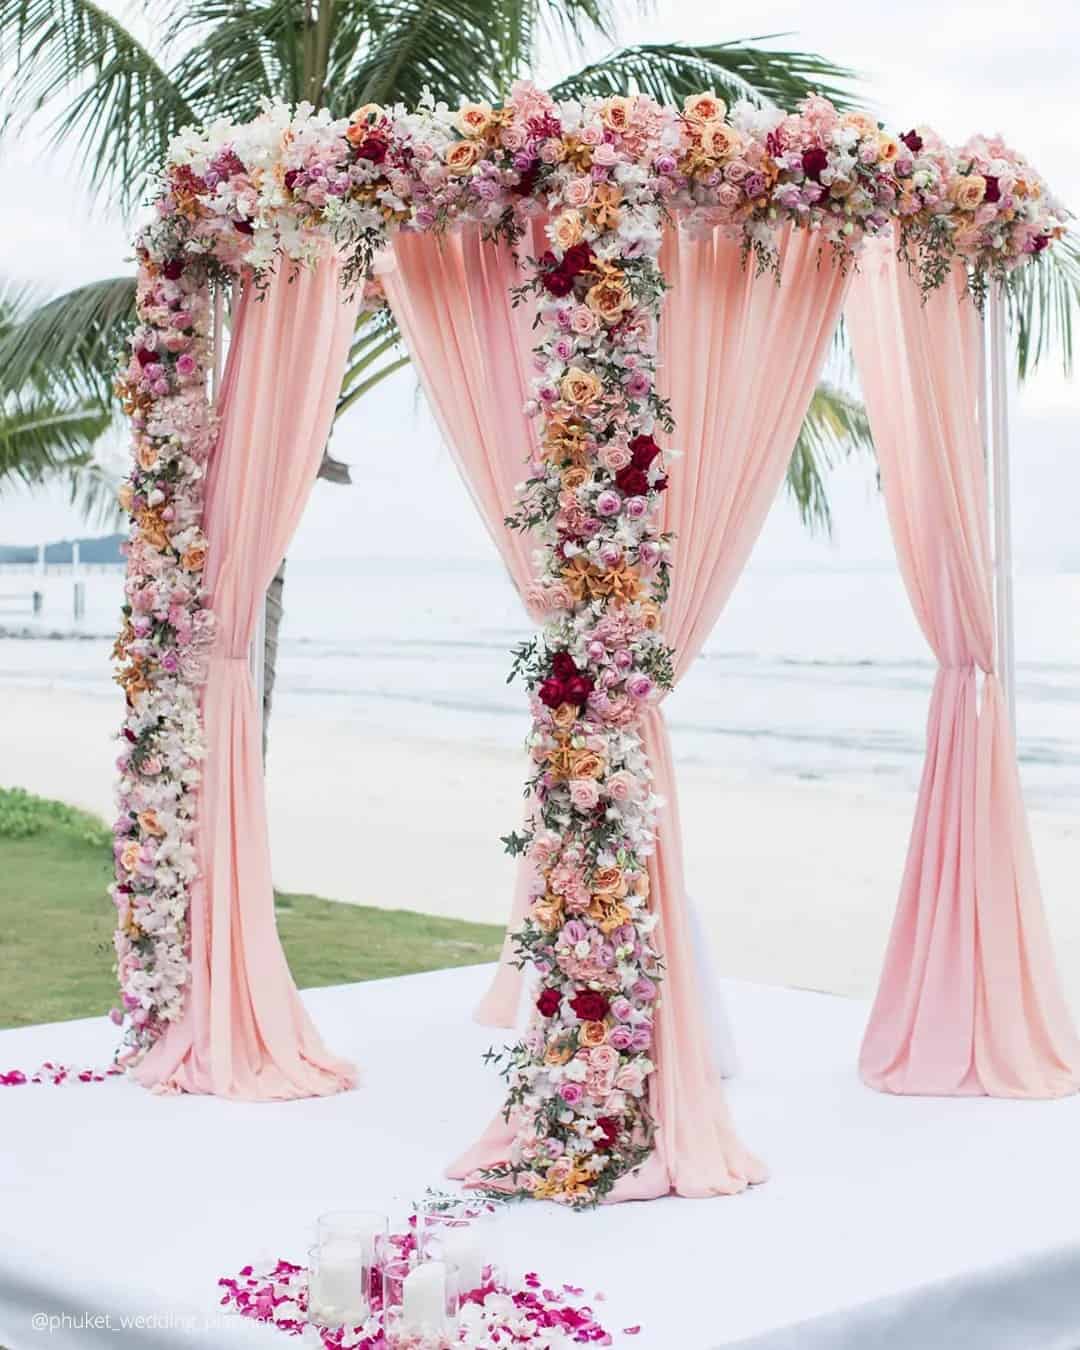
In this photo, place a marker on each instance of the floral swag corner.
(609, 173)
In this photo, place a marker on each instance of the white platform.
(896, 1222)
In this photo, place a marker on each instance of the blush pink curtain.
(969, 999)
(244, 1032)
(472, 351)
(739, 359)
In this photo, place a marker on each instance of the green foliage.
(835, 425)
(23, 815)
(1040, 299)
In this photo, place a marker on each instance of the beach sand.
(795, 880)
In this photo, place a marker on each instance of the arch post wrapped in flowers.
(602, 178)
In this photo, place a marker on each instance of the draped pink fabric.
(472, 350)
(969, 999)
(244, 1032)
(739, 358)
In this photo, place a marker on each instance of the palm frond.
(41, 437)
(1040, 300)
(109, 93)
(669, 71)
(92, 491)
(834, 426)
(67, 345)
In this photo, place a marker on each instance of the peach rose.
(641, 885)
(720, 141)
(609, 298)
(580, 387)
(586, 764)
(863, 123)
(124, 495)
(548, 912)
(567, 229)
(148, 455)
(129, 855)
(565, 715)
(968, 193)
(461, 156)
(149, 824)
(473, 119)
(194, 558)
(888, 149)
(573, 478)
(704, 107)
(616, 112)
(592, 1033)
(609, 881)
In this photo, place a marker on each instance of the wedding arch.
(583, 287)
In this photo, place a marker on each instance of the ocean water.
(810, 673)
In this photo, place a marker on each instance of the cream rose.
(616, 111)
(704, 107)
(567, 229)
(580, 387)
(461, 156)
(863, 123)
(129, 856)
(473, 119)
(720, 141)
(194, 558)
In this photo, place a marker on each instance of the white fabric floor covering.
(888, 1223)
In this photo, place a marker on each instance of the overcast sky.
(962, 67)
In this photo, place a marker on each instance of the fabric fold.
(244, 1032)
(969, 1000)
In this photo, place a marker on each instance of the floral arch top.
(608, 173)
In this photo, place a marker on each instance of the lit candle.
(423, 1298)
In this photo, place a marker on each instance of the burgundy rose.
(174, 269)
(632, 481)
(291, 175)
(993, 190)
(563, 665)
(146, 357)
(558, 283)
(578, 689)
(576, 259)
(549, 1001)
(1041, 241)
(590, 1006)
(814, 161)
(661, 484)
(372, 148)
(644, 449)
(552, 692)
(773, 145)
(244, 226)
(610, 1127)
(525, 184)
(913, 141)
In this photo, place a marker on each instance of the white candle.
(461, 1247)
(423, 1298)
(337, 1291)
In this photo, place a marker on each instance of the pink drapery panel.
(739, 358)
(472, 350)
(244, 1032)
(969, 999)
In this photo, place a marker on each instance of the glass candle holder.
(420, 1303)
(339, 1284)
(364, 1226)
(460, 1234)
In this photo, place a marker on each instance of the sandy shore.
(796, 881)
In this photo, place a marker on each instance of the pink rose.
(621, 786)
(622, 1009)
(584, 793)
(571, 1093)
(577, 192)
(608, 503)
(620, 1037)
(636, 507)
(630, 1078)
(583, 321)
(615, 457)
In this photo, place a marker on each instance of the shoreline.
(795, 879)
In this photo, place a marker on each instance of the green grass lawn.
(56, 922)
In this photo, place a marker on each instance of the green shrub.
(23, 815)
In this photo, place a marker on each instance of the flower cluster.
(161, 650)
(497, 1313)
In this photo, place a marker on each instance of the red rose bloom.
(576, 259)
(632, 481)
(552, 692)
(244, 226)
(913, 141)
(813, 161)
(557, 283)
(993, 191)
(174, 269)
(611, 1132)
(578, 688)
(563, 665)
(644, 449)
(590, 1006)
(549, 1001)
(146, 357)
(372, 148)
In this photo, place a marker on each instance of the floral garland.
(608, 171)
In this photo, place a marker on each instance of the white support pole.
(1002, 489)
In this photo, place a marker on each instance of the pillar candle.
(423, 1297)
